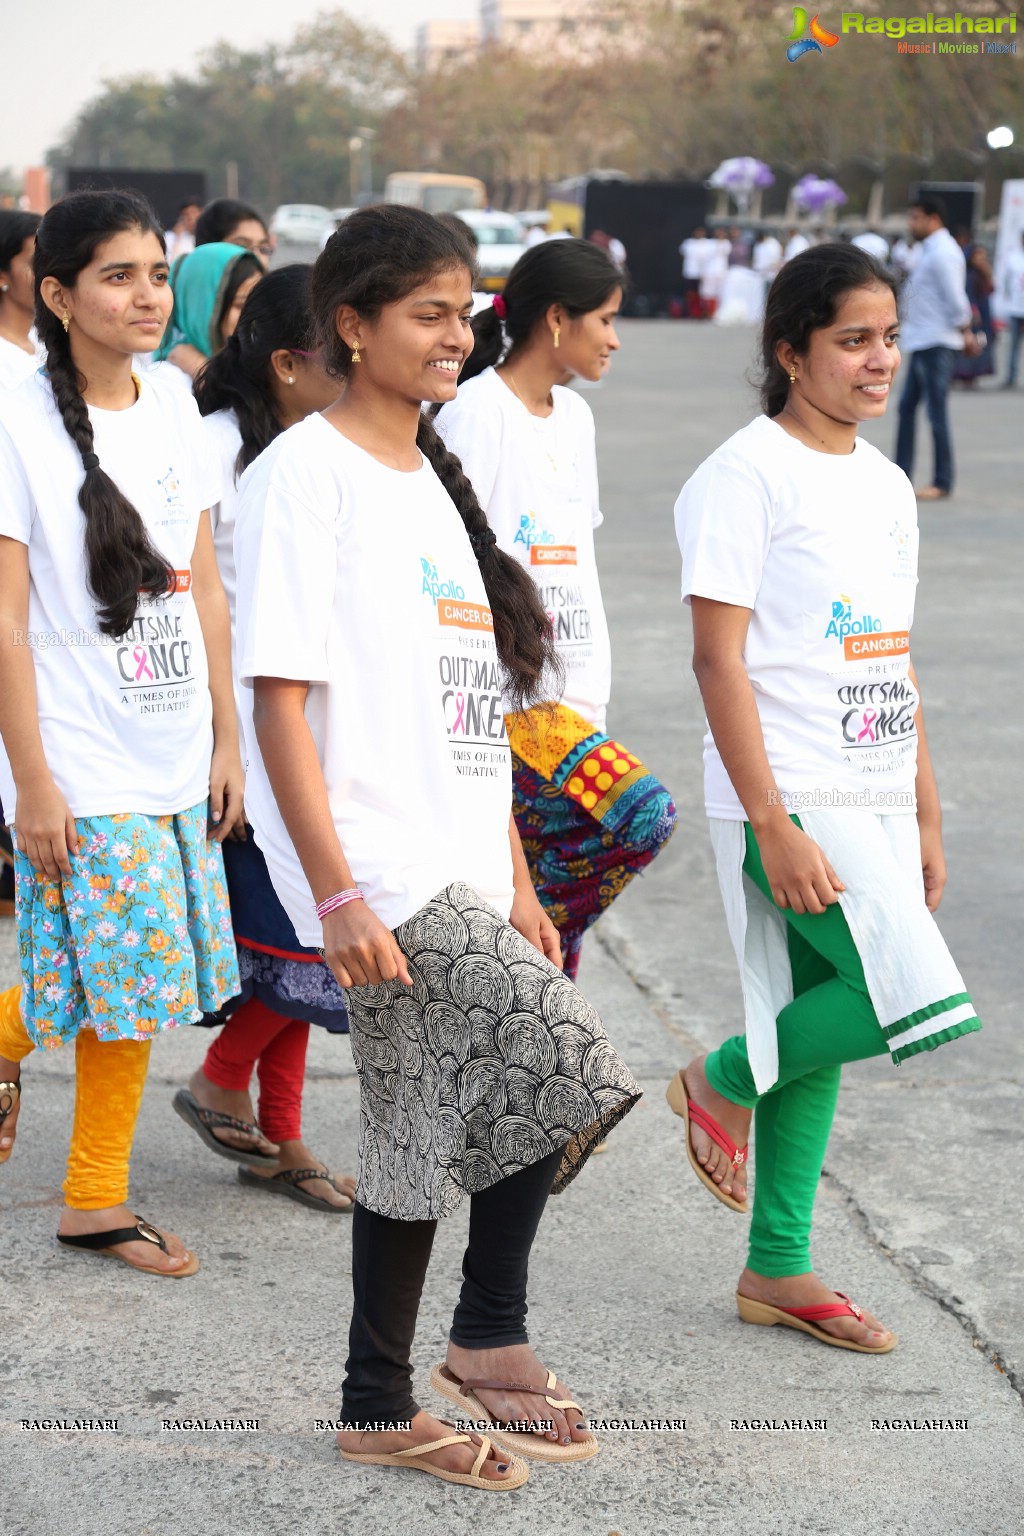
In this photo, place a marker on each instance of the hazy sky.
(58, 54)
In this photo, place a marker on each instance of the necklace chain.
(515, 386)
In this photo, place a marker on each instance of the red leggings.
(276, 1046)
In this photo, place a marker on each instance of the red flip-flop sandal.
(807, 1319)
(689, 1110)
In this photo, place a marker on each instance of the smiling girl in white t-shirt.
(589, 814)
(379, 627)
(116, 707)
(799, 545)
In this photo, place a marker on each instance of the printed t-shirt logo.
(434, 586)
(862, 638)
(553, 554)
(901, 539)
(528, 534)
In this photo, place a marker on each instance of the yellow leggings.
(109, 1078)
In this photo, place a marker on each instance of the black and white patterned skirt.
(492, 1061)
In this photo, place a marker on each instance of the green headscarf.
(200, 282)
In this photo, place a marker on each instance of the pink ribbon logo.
(460, 713)
(870, 716)
(142, 667)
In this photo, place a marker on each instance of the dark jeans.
(928, 373)
(1016, 327)
(389, 1265)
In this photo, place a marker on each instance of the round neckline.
(819, 453)
(389, 469)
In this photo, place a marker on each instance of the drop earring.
(65, 321)
(792, 376)
(558, 332)
(355, 354)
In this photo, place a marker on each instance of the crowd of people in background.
(338, 523)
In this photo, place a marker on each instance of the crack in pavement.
(922, 1283)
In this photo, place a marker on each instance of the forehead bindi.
(865, 309)
(129, 248)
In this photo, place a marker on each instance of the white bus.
(435, 192)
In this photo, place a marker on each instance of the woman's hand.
(529, 918)
(360, 950)
(800, 877)
(227, 784)
(46, 830)
(933, 864)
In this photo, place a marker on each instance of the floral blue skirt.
(136, 940)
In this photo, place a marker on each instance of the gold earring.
(558, 332)
(792, 376)
(355, 354)
(65, 321)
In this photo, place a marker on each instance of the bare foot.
(295, 1154)
(228, 1101)
(423, 1429)
(143, 1254)
(10, 1106)
(517, 1362)
(735, 1122)
(808, 1291)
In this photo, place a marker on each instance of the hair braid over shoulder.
(522, 629)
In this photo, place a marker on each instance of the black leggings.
(389, 1265)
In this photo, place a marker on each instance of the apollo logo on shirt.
(433, 587)
(528, 533)
(862, 638)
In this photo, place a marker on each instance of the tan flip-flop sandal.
(807, 1319)
(686, 1108)
(531, 1447)
(414, 1458)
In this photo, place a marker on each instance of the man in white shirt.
(936, 325)
(694, 251)
(795, 245)
(875, 244)
(182, 237)
(767, 256)
(1013, 308)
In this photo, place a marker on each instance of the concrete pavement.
(632, 1278)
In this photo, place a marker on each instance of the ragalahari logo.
(819, 38)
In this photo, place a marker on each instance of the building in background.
(439, 43)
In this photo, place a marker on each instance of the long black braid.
(120, 558)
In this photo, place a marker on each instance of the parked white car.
(300, 223)
(499, 245)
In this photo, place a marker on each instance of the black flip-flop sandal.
(204, 1121)
(289, 1181)
(106, 1242)
(10, 1099)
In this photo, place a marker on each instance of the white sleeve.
(588, 462)
(17, 507)
(286, 557)
(207, 466)
(474, 436)
(724, 525)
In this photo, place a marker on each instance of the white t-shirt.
(16, 364)
(126, 723)
(823, 549)
(796, 245)
(224, 439)
(360, 580)
(694, 251)
(536, 478)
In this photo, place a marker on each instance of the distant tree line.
(679, 86)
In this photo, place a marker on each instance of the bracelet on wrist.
(339, 899)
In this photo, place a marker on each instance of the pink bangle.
(341, 899)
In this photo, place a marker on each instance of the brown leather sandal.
(10, 1100)
(415, 1457)
(532, 1446)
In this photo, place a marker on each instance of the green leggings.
(829, 1021)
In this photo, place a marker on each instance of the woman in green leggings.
(799, 545)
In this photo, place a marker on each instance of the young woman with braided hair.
(263, 381)
(589, 814)
(379, 626)
(116, 707)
